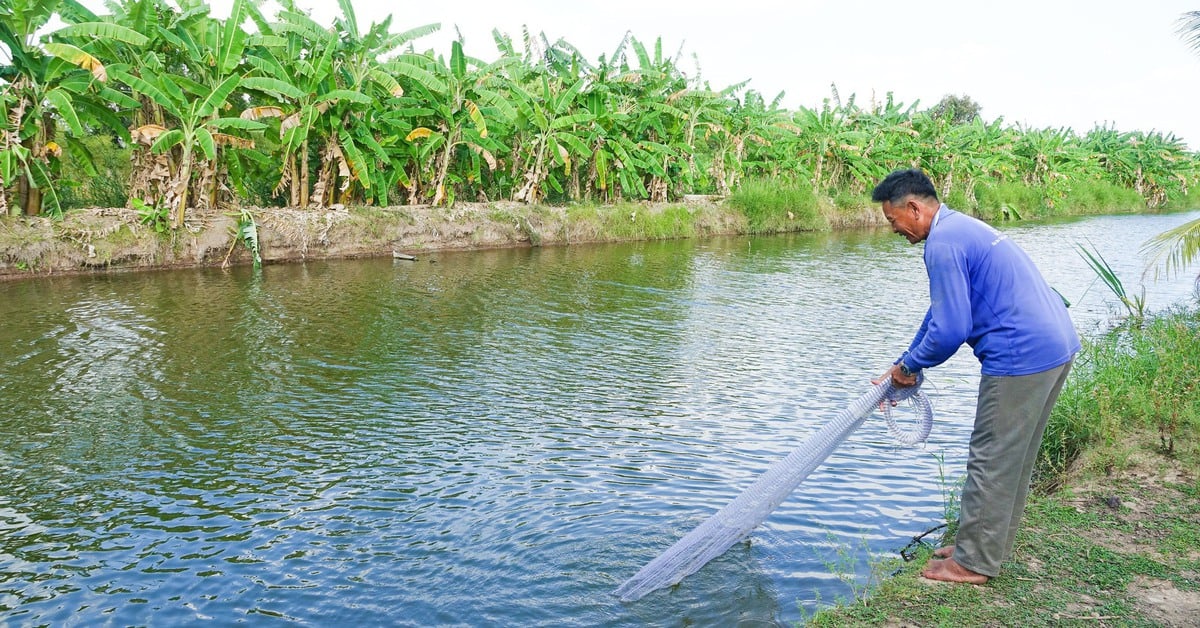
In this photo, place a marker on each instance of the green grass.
(1136, 378)
(641, 221)
(1071, 198)
(1056, 577)
(1020, 201)
(1101, 197)
(1126, 431)
(1188, 201)
(776, 207)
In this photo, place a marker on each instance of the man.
(984, 291)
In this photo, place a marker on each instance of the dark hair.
(901, 183)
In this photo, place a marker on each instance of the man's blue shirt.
(984, 290)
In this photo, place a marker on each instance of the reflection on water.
(487, 438)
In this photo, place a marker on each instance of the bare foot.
(950, 571)
(944, 552)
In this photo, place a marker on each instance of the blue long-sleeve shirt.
(985, 291)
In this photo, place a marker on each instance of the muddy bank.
(107, 240)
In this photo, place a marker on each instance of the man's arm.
(948, 321)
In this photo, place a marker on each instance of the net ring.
(921, 405)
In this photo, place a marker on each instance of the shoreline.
(1114, 546)
(107, 240)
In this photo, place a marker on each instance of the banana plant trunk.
(949, 182)
(30, 195)
(294, 185)
(439, 182)
(533, 178)
(303, 176)
(177, 193)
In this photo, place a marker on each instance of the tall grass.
(1002, 201)
(1098, 197)
(773, 207)
(1190, 200)
(1079, 196)
(1133, 379)
(638, 221)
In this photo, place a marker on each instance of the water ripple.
(491, 438)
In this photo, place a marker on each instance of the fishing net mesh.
(717, 534)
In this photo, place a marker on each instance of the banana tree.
(553, 138)
(44, 86)
(161, 25)
(194, 102)
(297, 77)
(332, 86)
(659, 129)
(741, 142)
(454, 93)
(830, 144)
(892, 140)
(702, 109)
(197, 126)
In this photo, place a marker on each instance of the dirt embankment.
(102, 240)
(98, 240)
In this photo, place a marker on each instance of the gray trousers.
(1009, 421)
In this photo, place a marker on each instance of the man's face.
(905, 219)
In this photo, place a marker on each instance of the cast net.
(711, 538)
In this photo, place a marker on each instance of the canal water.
(486, 438)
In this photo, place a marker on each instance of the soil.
(1142, 494)
(114, 239)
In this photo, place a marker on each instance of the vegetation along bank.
(1113, 536)
(302, 140)
(157, 136)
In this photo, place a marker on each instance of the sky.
(1038, 63)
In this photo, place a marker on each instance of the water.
(488, 438)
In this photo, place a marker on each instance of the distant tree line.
(167, 105)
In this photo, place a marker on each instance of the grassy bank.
(1113, 536)
(100, 240)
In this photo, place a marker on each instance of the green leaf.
(414, 33)
(62, 103)
(306, 28)
(572, 142)
(233, 39)
(274, 87)
(139, 84)
(351, 21)
(218, 96)
(564, 100)
(458, 61)
(423, 77)
(119, 98)
(365, 138)
(82, 156)
(167, 141)
(386, 81)
(358, 165)
(206, 142)
(41, 179)
(345, 94)
(103, 30)
(266, 41)
(193, 87)
(566, 121)
(236, 123)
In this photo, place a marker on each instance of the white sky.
(1041, 63)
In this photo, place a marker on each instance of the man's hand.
(898, 377)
